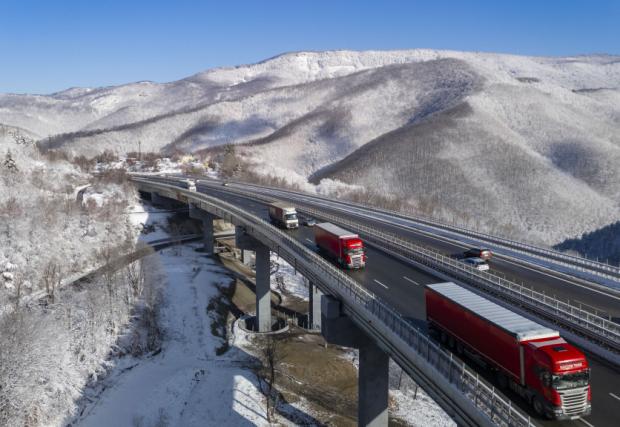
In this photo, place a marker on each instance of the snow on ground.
(420, 411)
(186, 384)
(294, 283)
(554, 120)
(166, 165)
(409, 402)
(151, 220)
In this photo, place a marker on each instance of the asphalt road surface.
(402, 286)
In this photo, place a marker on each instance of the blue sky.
(46, 46)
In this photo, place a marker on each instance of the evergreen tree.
(9, 162)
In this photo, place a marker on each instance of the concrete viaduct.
(343, 320)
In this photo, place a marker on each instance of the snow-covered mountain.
(523, 146)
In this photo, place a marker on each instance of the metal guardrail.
(367, 308)
(581, 264)
(596, 328)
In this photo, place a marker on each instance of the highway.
(594, 297)
(401, 285)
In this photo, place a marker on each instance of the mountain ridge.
(535, 143)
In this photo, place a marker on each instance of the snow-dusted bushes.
(43, 226)
(37, 379)
(57, 223)
(50, 353)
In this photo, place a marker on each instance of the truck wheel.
(539, 408)
(459, 348)
(451, 342)
(444, 338)
(502, 380)
(432, 332)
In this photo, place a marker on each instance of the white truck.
(283, 215)
(190, 184)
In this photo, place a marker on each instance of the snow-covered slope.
(524, 146)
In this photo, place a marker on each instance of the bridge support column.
(314, 307)
(373, 379)
(263, 289)
(263, 277)
(373, 386)
(207, 227)
(246, 257)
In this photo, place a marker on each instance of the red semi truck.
(339, 244)
(534, 361)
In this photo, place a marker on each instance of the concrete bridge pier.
(246, 257)
(373, 379)
(263, 277)
(314, 307)
(207, 227)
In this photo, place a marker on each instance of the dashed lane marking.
(585, 422)
(411, 280)
(381, 284)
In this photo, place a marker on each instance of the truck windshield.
(290, 217)
(567, 381)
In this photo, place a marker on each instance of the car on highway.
(482, 253)
(225, 184)
(307, 221)
(477, 263)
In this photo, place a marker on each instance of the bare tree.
(108, 271)
(52, 277)
(134, 274)
(18, 282)
(272, 354)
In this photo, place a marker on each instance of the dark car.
(307, 221)
(482, 253)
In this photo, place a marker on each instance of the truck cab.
(290, 218)
(354, 255)
(559, 378)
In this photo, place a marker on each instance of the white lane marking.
(411, 280)
(308, 240)
(614, 396)
(502, 257)
(381, 284)
(461, 244)
(455, 242)
(585, 422)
